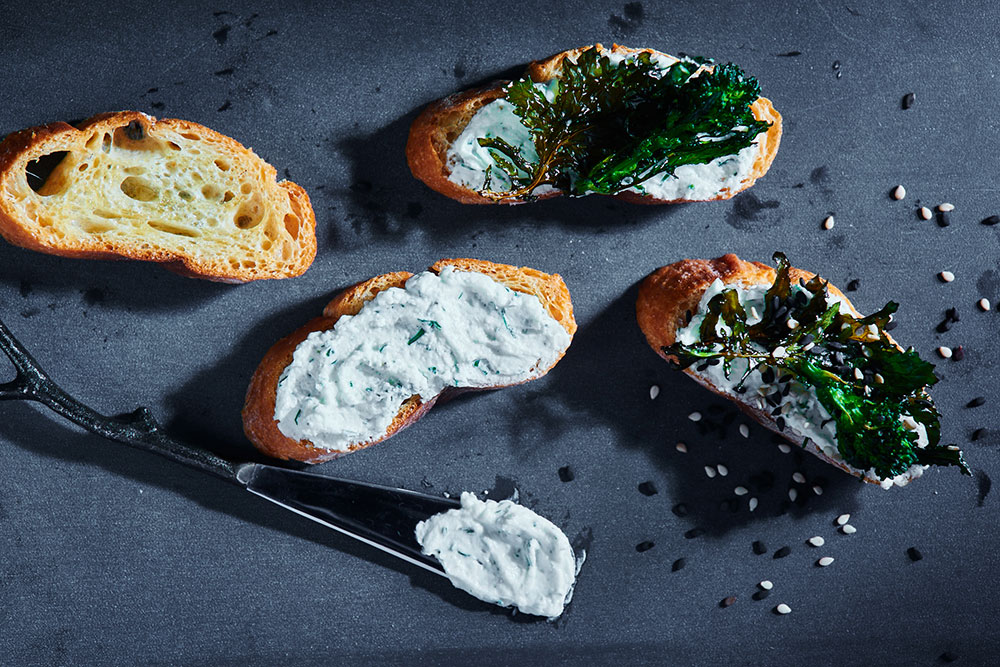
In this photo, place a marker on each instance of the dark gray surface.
(113, 556)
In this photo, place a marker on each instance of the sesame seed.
(853, 285)
(647, 489)
(908, 100)
(899, 192)
(681, 447)
(644, 546)
(914, 554)
(958, 353)
(759, 547)
(566, 474)
(816, 541)
(728, 602)
(858, 374)
(843, 519)
(878, 379)
(946, 207)
(678, 564)
(710, 472)
(754, 314)
(976, 402)
(782, 552)
(984, 304)
(824, 561)
(784, 449)
(741, 490)
(909, 423)
(798, 477)
(817, 489)
(779, 352)
(783, 609)
(723, 470)
(926, 213)
(744, 430)
(943, 219)
(978, 433)
(695, 416)
(654, 391)
(828, 223)
(946, 276)
(792, 494)
(848, 529)
(945, 352)
(791, 323)
(992, 220)
(680, 509)
(752, 504)
(766, 585)
(693, 533)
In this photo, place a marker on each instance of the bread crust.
(19, 149)
(258, 412)
(667, 294)
(441, 122)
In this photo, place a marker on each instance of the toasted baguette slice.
(668, 293)
(441, 123)
(170, 191)
(258, 413)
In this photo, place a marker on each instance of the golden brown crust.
(434, 130)
(19, 149)
(667, 294)
(258, 412)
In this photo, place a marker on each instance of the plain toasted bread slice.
(258, 412)
(170, 191)
(670, 292)
(441, 123)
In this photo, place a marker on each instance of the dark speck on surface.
(225, 105)
(761, 595)
(225, 72)
(680, 509)
(271, 33)
(29, 312)
(566, 474)
(908, 100)
(644, 546)
(647, 489)
(782, 552)
(914, 554)
(25, 288)
(632, 18)
(984, 484)
(678, 564)
(728, 601)
(819, 175)
(156, 105)
(789, 54)
(459, 70)
(747, 208)
(93, 296)
(222, 34)
(759, 547)
(693, 533)
(853, 285)
(948, 657)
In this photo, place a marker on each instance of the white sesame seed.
(654, 391)
(682, 448)
(828, 223)
(808, 346)
(792, 494)
(766, 585)
(899, 192)
(816, 541)
(945, 352)
(879, 379)
(791, 323)
(952, 448)
(740, 490)
(783, 609)
(754, 314)
(843, 518)
(886, 484)
(824, 561)
(784, 449)
(779, 352)
(926, 213)
(723, 470)
(946, 207)
(909, 423)
(799, 478)
(984, 304)
(753, 504)
(744, 430)
(946, 276)
(817, 489)
(848, 529)
(710, 471)
(695, 416)
(858, 375)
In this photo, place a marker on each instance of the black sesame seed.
(958, 353)
(687, 317)
(992, 220)
(714, 362)
(944, 326)
(948, 656)
(836, 345)
(693, 533)
(728, 602)
(644, 546)
(890, 326)
(853, 285)
(952, 314)
(836, 65)
(780, 423)
(680, 509)
(784, 378)
(759, 547)
(976, 402)
(566, 474)
(647, 489)
(908, 100)
(786, 390)
(741, 389)
(702, 367)
(761, 595)
(767, 376)
(782, 552)
(914, 554)
(943, 219)
(978, 433)
(678, 564)
(776, 411)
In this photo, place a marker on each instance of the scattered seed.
(858, 374)
(723, 470)
(816, 541)
(908, 100)
(783, 609)
(948, 657)
(843, 518)
(728, 602)
(752, 504)
(760, 595)
(946, 207)
(824, 561)
(710, 472)
(792, 494)
(976, 402)
(759, 547)
(978, 433)
(694, 532)
(992, 220)
(798, 477)
(828, 223)
(695, 416)
(945, 352)
(741, 490)
(784, 449)
(914, 554)
(681, 447)
(958, 353)
(566, 474)
(984, 304)
(848, 529)
(766, 585)
(926, 213)
(782, 552)
(899, 192)
(678, 564)
(647, 489)
(644, 546)
(744, 430)
(817, 489)
(943, 219)
(853, 285)
(946, 276)
(680, 509)
(878, 379)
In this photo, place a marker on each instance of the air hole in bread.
(38, 172)
(228, 196)
(185, 195)
(135, 171)
(209, 191)
(173, 145)
(83, 167)
(292, 225)
(133, 137)
(266, 245)
(191, 135)
(249, 214)
(246, 188)
(91, 141)
(249, 264)
(95, 226)
(173, 229)
(106, 143)
(139, 189)
(102, 213)
(223, 165)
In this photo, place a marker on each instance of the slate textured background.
(111, 556)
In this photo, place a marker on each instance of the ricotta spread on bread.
(468, 161)
(449, 329)
(805, 417)
(503, 553)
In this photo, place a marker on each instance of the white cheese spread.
(503, 553)
(453, 329)
(805, 417)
